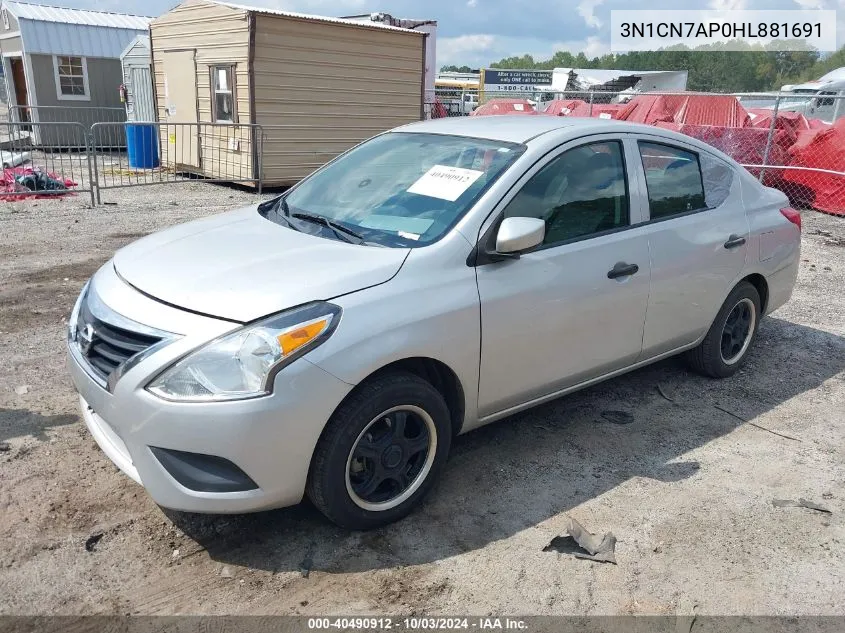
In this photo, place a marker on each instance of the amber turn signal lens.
(292, 340)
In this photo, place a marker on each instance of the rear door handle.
(734, 241)
(622, 269)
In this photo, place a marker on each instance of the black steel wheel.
(381, 451)
(725, 347)
(391, 457)
(737, 331)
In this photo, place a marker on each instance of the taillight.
(793, 216)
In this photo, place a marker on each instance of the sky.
(477, 32)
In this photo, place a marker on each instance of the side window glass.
(821, 102)
(718, 178)
(673, 180)
(581, 192)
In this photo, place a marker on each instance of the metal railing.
(160, 153)
(786, 140)
(86, 115)
(29, 170)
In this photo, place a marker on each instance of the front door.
(572, 309)
(19, 80)
(180, 90)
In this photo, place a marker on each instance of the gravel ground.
(686, 486)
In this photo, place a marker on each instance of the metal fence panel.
(159, 153)
(86, 115)
(32, 170)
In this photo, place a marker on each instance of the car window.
(581, 192)
(673, 180)
(718, 178)
(825, 102)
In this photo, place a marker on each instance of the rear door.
(573, 308)
(698, 240)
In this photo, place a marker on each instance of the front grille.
(104, 346)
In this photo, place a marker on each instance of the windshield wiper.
(347, 235)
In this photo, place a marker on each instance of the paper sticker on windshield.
(446, 183)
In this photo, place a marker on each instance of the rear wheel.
(725, 348)
(380, 452)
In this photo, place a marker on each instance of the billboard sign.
(496, 80)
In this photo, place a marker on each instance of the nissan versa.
(334, 340)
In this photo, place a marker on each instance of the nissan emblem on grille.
(86, 339)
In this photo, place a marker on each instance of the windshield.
(400, 189)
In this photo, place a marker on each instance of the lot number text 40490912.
(417, 623)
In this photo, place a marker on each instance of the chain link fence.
(793, 142)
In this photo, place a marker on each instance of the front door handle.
(621, 269)
(734, 240)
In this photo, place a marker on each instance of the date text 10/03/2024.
(418, 623)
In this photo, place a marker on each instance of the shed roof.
(63, 15)
(143, 40)
(52, 30)
(317, 18)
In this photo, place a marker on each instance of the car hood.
(241, 266)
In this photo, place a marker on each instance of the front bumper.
(271, 438)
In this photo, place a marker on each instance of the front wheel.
(381, 452)
(725, 348)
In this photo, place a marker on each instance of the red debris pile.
(792, 123)
(504, 106)
(577, 107)
(564, 107)
(30, 182)
(718, 110)
(819, 149)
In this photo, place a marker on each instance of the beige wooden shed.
(316, 85)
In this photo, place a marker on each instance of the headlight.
(74, 315)
(244, 363)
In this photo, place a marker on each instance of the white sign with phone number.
(446, 183)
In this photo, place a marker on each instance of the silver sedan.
(332, 342)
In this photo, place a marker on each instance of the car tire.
(725, 348)
(363, 442)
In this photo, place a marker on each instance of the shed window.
(223, 93)
(71, 77)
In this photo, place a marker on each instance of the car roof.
(519, 129)
(522, 129)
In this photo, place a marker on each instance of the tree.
(711, 68)
(456, 69)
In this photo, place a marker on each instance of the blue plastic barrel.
(142, 145)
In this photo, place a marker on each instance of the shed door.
(180, 94)
(142, 93)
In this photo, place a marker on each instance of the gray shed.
(63, 65)
(137, 80)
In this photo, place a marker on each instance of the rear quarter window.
(718, 177)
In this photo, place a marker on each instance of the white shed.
(137, 80)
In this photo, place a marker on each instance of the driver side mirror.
(519, 234)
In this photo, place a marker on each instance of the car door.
(697, 240)
(573, 308)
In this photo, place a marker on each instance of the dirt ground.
(685, 481)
